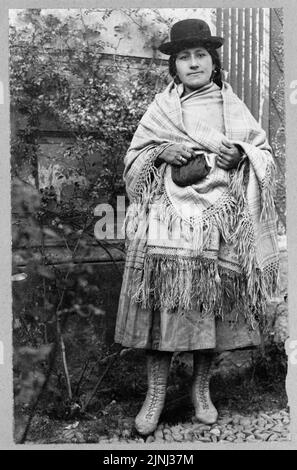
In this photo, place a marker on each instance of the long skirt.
(137, 327)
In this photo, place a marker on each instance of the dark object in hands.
(195, 170)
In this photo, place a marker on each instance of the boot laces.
(154, 395)
(203, 385)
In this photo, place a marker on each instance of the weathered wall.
(277, 135)
(121, 29)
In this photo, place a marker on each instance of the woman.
(202, 258)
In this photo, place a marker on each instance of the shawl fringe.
(267, 193)
(179, 284)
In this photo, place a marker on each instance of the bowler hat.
(190, 32)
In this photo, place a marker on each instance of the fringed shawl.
(225, 255)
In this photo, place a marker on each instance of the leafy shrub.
(61, 79)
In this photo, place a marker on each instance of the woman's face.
(194, 67)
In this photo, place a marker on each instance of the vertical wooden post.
(234, 45)
(261, 58)
(226, 35)
(219, 21)
(254, 64)
(247, 59)
(240, 50)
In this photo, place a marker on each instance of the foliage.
(270, 363)
(60, 78)
(66, 78)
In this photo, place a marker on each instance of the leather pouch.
(194, 171)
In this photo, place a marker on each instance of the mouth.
(195, 73)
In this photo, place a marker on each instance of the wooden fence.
(245, 55)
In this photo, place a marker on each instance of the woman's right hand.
(176, 154)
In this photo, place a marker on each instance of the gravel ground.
(236, 428)
(270, 426)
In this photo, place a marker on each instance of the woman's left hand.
(229, 156)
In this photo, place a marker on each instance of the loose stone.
(159, 434)
(215, 432)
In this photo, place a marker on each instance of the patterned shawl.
(211, 247)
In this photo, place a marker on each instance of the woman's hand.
(176, 154)
(229, 156)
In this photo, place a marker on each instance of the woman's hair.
(217, 73)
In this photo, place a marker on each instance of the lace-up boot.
(158, 365)
(205, 410)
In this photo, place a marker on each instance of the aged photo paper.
(64, 380)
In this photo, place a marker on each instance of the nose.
(194, 61)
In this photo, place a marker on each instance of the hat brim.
(173, 47)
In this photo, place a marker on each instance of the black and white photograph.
(149, 274)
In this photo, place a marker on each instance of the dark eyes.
(201, 54)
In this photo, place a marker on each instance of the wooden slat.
(219, 20)
(254, 71)
(240, 54)
(219, 31)
(261, 70)
(247, 50)
(233, 58)
(59, 255)
(226, 35)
